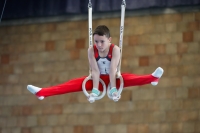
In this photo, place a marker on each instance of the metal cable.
(3, 10)
(90, 4)
(124, 2)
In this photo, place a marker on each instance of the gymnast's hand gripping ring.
(90, 98)
(119, 90)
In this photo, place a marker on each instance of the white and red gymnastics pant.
(75, 85)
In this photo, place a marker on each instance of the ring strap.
(96, 91)
(113, 90)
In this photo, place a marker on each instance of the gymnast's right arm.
(94, 67)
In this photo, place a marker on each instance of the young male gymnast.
(104, 58)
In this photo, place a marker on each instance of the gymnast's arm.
(94, 67)
(113, 66)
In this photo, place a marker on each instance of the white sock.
(154, 83)
(34, 90)
(158, 72)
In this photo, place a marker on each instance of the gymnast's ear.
(110, 39)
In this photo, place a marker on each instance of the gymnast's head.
(102, 38)
(102, 30)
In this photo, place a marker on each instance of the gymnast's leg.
(73, 85)
(137, 80)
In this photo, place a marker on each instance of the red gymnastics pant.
(75, 85)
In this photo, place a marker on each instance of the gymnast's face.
(102, 42)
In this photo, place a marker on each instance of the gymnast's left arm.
(113, 65)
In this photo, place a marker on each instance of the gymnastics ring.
(86, 93)
(119, 90)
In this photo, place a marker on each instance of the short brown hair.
(102, 30)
